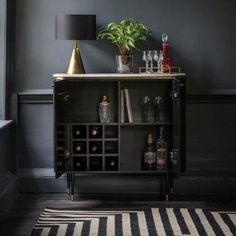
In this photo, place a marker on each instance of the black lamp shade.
(76, 27)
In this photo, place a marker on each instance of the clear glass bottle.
(149, 154)
(161, 151)
(104, 110)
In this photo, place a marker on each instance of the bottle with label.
(161, 151)
(149, 154)
(104, 110)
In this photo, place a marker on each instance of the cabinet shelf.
(146, 123)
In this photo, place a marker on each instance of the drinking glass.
(144, 106)
(145, 58)
(155, 56)
(157, 104)
(150, 59)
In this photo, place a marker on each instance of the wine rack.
(83, 145)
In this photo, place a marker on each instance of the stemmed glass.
(155, 56)
(145, 58)
(150, 59)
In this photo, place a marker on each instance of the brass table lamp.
(76, 27)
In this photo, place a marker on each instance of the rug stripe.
(228, 221)
(54, 230)
(94, 227)
(102, 228)
(204, 222)
(45, 232)
(158, 222)
(150, 223)
(134, 224)
(78, 228)
(173, 221)
(197, 222)
(213, 223)
(142, 223)
(62, 229)
(118, 228)
(181, 221)
(189, 222)
(221, 223)
(126, 224)
(111, 225)
(233, 218)
(166, 222)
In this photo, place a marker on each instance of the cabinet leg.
(167, 187)
(68, 184)
(72, 187)
(172, 185)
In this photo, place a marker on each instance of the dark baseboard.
(43, 181)
(8, 191)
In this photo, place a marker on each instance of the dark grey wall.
(201, 36)
(202, 42)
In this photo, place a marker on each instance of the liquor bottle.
(149, 154)
(104, 110)
(95, 147)
(161, 151)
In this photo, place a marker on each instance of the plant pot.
(124, 63)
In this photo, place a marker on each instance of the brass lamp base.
(76, 64)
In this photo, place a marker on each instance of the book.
(128, 105)
(122, 106)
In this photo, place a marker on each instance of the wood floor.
(20, 219)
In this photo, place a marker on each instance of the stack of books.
(126, 105)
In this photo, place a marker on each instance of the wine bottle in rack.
(95, 147)
(161, 146)
(95, 132)
(79, 148)
(79, 132)
(149, 154)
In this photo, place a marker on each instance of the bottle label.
(149, 158)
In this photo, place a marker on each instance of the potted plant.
(127, 35)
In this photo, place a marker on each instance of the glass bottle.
(161, 151)
(104, 110)
(149, 154)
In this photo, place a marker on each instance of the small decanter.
(104, 110)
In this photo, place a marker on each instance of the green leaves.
(126, 34)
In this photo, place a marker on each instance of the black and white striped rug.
(132, 222)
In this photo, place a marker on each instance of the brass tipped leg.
(167, 197)
(72, 197)
(172, 191)
(68, 191)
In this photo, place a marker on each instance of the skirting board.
(43, 180)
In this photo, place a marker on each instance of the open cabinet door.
(61, 128)
(178, 152)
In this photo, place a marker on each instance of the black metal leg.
(167, 187)
(171, 185)
(68, 184)
(72, 186)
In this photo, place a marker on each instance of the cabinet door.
(178, 153)
(61, 129)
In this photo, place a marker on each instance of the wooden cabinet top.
(110, 76)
